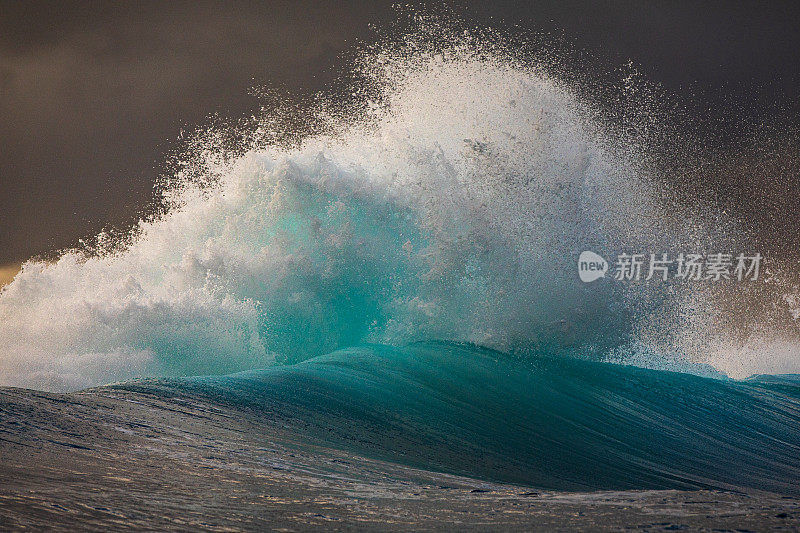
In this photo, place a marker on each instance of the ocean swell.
(550, 422)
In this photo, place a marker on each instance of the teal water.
(449, 201)
(555, 423)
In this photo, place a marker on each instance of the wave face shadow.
(555, 423)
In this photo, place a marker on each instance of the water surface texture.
(397, 287)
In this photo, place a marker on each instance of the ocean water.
(401, 283)
(550, 422)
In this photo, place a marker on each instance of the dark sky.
(93, 95)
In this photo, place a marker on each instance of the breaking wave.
(448, 202)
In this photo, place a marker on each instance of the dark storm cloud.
(93, 94)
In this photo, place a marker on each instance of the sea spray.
(450, 202)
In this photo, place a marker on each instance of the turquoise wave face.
(555, 423)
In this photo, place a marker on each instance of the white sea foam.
(452, 206)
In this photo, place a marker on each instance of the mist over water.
(450, 202)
